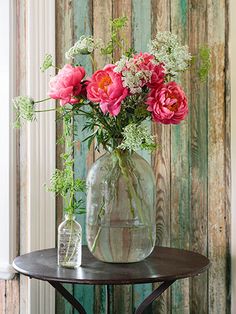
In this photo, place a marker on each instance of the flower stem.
(42, 100)
(45, 110)
(131, 189)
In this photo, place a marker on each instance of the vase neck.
(69, 216)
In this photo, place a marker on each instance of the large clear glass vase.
(121, 211)
(69, 243)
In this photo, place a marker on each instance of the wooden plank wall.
(192, 166)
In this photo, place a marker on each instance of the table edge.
(114, 281)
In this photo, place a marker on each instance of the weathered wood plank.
(102, 15)
(161, 160)
(228, 185)
(180, 176)
(12, 296)
(141, 26)
(217, 214)
(9, 296)
(2, 296)
(123, 8)
(198, 118)
(64, 40)
(82, 25)
(123, 294)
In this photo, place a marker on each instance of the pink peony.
(158, 74)
(144, 71)
(144, 61)
(66, 85)
(105, 87)
(167, 103)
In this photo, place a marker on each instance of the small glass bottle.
(69, 243)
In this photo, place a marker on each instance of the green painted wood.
(198, 153)
(180, 174)
(218, 214)
(191, 194)
(82, 17)
(160, 18)
(123, 296)
(141, 25)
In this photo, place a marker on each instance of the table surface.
(163, 264)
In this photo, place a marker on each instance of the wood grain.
(83, 24)
(228, 185)
(102, 16)
(123, 299)
(141, 35)
(217, 213)
(198, 153)
(160, 18)
(2, 296)
(180, 175)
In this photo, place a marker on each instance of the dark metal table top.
(163, 264)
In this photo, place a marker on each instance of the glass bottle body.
(69, 243)
(121, 215)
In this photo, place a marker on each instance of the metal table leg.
(69, 297)
(108, 299)
(154, 295)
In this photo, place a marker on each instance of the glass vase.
(69, 243)
(121, 211)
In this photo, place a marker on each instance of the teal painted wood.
(141, 32)
(82, 25)
(199, 154)
(180, 171)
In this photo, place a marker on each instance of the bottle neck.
(69, 216)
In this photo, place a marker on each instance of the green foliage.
(116, 41)
(136, 137)
(106, 131)
(205, 63)
(47, 63)
(62, 181)
(24, 109)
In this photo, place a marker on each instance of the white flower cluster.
(136, 137)
(85, 45)
(47, 62)
(133, 76)
(25, 109)
(166, 49)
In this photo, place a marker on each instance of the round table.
(164, 265)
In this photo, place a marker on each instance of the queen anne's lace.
(85, 45)
(136, 137)
(24, 108)
(167, 50)
(133, 76)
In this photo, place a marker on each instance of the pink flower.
(105, 87)
(168, 104)
(140, 71)
(66, 85)
(157, 77)
(143, 60)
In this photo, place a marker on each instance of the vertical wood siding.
(190, 167)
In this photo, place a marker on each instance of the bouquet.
(116, 101)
